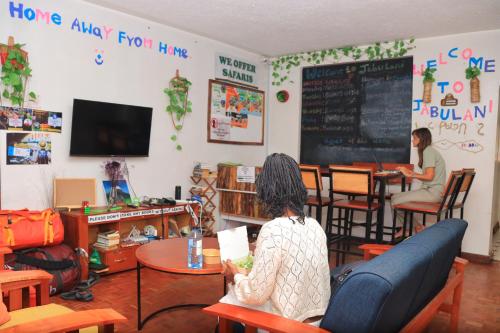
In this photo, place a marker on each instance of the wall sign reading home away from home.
(235, 114)
(23, 13)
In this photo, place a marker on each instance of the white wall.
(286, 116)
(63, 66)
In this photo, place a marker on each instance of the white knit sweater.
(290, 270)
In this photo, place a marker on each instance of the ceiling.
(278, 27)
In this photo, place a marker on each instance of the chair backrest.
(468, 177)
(351, 180)
(311, 176)
(451, 188)
(370, 165)
(385, 293)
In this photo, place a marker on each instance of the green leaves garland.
(15, 74)
(179, 105)
(378, 51)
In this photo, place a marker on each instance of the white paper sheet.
(245, 174)
(233, 243)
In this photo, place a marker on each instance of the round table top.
(170, 255)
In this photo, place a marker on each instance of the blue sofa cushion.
(386, 292)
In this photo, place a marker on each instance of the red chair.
(311, 176)
(430, 208)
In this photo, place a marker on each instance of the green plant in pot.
(15, 73)
(179, 105)
(428, 80)
(471, 73)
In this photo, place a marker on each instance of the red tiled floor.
(480, 310)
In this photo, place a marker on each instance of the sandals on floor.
(86, 284)
(83, 295)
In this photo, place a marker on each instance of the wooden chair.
(45, 317)
(460, 197)
(350, 181)
(430, 208)
(311, 176)
(254, 319)
(405, 186)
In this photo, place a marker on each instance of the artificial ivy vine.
(15, 73)
(378, 51)
(179, 104)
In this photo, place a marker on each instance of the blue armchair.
(399, 290)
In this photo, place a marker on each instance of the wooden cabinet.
(80, 230)
(119, 260)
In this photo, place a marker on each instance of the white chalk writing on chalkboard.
(351, 110)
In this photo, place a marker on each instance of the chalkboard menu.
(357, 112)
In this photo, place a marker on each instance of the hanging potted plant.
(471, 73)
(179, 105)
(428, 80)
(15, 73)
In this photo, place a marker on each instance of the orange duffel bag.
(21, 229)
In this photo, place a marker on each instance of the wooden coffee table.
(170, 256)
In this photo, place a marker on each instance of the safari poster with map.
(235, 114)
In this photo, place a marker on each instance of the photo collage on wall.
(24, 119)
(29, 148)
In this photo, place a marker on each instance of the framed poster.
(235, 114)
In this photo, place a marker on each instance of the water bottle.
(195, 249)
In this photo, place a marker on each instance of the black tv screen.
(109, 129)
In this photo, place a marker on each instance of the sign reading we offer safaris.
(233, 69)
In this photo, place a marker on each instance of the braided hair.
(280, 187)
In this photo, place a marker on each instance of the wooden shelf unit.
(80, 231)
(208, 194)
(238, 198)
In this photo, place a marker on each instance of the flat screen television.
(109, 129)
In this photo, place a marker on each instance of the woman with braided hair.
(290, 276)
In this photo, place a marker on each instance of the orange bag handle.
(24, 213)
(9, 236)
(48, 226)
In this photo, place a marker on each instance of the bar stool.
(350, 181)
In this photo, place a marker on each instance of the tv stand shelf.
(80, 230)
